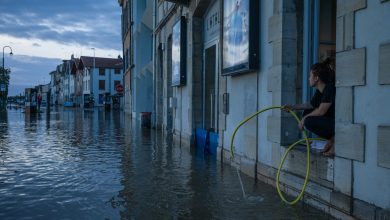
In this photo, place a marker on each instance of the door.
(210, 88)
(168, 87)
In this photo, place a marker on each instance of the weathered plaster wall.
(372, 105)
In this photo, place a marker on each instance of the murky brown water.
(84, 164)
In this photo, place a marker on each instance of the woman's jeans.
(320, 125)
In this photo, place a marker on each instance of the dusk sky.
(44, 32)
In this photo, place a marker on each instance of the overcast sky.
(44, 32)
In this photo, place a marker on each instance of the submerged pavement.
(92, 164)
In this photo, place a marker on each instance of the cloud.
(53, 49)
(43, 32)
(88, 23)
(28, 71)
(75, 27)
(23, 59)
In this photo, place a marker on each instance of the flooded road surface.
(91, 164)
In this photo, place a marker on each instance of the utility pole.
(91, 76)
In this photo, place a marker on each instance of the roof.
(75, 64)
(101, 62)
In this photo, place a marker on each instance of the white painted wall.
(265, 97)
(177, 122)
(86, 81)
(142, 89)
(109, 78)
(244, 101)
(142, 85)
(182, 117)
(95, 85)
(66, 88)
(71, 84)
(372, 105)
(186, 106)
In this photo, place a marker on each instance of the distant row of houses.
(87, 82)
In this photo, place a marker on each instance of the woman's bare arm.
(305, 106)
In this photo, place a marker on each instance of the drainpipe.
(154, 113)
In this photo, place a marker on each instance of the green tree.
(4, 83)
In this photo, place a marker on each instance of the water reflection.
(103, 165)
(3, 137)
(3, 125)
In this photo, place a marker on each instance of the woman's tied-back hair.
(324, 70)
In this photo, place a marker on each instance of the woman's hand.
(301, 124)
(287, 108)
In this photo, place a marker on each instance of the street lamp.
(92, 48)
(93, 70)
(91, 75)
(9, 53)
(3, 86)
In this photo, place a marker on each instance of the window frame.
(104, 85)
(102, 71)
(311, 43)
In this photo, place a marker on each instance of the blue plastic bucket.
(201, 139)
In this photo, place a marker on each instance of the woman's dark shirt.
(328, 95)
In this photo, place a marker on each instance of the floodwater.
(91, 164)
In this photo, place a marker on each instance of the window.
(117, 71)
(102, 71)
(318, 38)
(327, 30)
(102, 85)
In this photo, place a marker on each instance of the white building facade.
(291, 36)
(100, 78)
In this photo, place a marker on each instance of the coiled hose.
(305, 139)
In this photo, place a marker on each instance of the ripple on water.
(103, 165)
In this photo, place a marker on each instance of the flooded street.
(91, 164)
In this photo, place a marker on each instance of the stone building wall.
(341, 186)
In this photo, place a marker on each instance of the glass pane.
(327, 29)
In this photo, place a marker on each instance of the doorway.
(159, 94)
(168, 88)
(210, 89)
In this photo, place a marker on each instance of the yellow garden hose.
(246, 120)
(285, 154)
(307, 170)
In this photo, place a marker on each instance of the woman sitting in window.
(318, 116)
